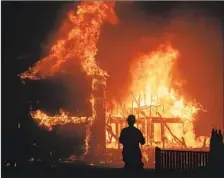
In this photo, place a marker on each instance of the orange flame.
(152, 84)
(59, 119)
(80, 42)
(152, 94)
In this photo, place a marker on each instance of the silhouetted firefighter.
(130, 138)
(216, 155)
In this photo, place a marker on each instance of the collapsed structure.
(164, 116)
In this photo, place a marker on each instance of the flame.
(58, 119)
(80, 42)
(152, 94)
(152, 82)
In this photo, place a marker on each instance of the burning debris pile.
(163, 114)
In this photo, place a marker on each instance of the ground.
(87, 172)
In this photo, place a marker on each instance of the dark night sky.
(26, 27)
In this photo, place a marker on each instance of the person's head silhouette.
(131, 120)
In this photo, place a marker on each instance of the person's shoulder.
(137, 129)
(124, 129)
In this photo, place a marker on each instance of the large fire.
(152, 85)
(79, 44)
(153, 94)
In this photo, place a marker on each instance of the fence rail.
(180, 160)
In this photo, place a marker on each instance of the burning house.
(163, 114)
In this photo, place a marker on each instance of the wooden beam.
(110, 131)
(168, 128)
(153, 119)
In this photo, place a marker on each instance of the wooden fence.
(180, 160)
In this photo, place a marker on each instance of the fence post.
(158, 158)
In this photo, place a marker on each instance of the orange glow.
(152, 93)
(59, 119)
(152, 85)
(80, 42)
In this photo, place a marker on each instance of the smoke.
(191, 28)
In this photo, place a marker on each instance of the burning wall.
(80, 44)
(153, 92)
